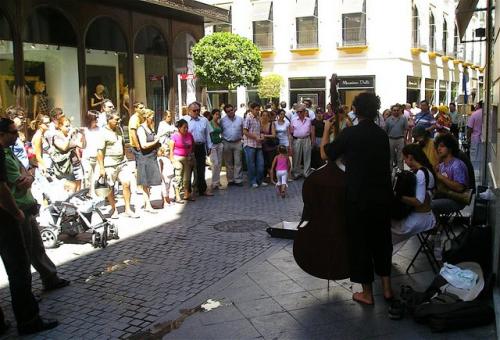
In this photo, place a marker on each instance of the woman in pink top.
(181, 155)
(281, 165)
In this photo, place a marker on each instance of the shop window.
(50, 64)
(413, 89)
(262, 22)
(430, 89)
(307, 24)
(445, 36)
(443, 92)
(107, 66)
(415, 27)
(308, 88)
(183, 64)
(151, 70)
(353, 23)
(432, 32)
(222, 28)
(7, 81)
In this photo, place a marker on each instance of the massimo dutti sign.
(356, 82)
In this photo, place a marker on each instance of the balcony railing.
(264, 41)
(307, 39)
(354, 36)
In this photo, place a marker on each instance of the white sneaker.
(264, 184)
(255, 185)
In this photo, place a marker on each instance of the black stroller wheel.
(49, 238)
(96, 239)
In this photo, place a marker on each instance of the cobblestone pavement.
(161, 261)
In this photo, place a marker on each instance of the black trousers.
(200, 154)
(17, 265)
(370, 242)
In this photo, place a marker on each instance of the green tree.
(227, 60)
(270, 86)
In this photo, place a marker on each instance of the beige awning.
(261, 11)
(353, 6)
(305, 8)
(463, 15)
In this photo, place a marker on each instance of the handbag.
(270, 144)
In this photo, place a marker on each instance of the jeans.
(16, 261)
(255, 165)
(200, 154)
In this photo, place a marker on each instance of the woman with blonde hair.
(148, 172)
(40, 143)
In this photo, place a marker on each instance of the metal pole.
(487, 97)
(179, 96)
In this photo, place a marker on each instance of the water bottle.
(438, 247)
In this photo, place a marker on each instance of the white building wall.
(389, 39)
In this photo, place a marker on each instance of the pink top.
(183, 144)
(301, 128)
(476, 124)
(282, 163)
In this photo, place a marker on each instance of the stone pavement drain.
(241, 226)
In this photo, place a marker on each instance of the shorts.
(281, 177)
(121, 172)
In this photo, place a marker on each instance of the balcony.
(353, 40)
(417, 47)
(264, 41)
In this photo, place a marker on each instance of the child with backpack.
(281, 167)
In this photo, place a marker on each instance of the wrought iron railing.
(307, 39)
(263, 41)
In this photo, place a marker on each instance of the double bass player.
(365, 152)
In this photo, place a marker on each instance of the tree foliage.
(270, 86)
(227, 60)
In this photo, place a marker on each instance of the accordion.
(405, 184)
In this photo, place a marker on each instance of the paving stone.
(275, 323)
(259, 307)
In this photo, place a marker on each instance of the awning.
(353, 6)
(261, 11)
(463, 14)
(305, 8)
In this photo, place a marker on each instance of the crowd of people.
(275, 144)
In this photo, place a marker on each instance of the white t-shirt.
(92, 138)
(282, 132)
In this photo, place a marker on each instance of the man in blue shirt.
(232, 133)
(425, 118)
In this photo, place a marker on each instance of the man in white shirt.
(232, 133)
(310, 111)
(199, 127)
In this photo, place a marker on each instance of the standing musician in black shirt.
(12, 250)
(364, 149)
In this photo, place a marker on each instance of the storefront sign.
(187, 76)
(413, 82)
(356, 82)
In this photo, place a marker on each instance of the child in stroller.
(77, 215)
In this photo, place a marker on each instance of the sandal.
(396, 310)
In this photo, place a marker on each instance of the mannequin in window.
(125, 102)
(40, 100)
(97, 98)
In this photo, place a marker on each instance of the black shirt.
(319, 127)
(365, 151)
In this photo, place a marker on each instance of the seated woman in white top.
(421, 218)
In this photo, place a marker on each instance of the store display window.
(7, 83)
(443, 92)
(413, 89)
(151, 70)
(107, 66)
(430, 91)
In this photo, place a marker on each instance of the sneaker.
(264, 184)
(38, 325)
(255, 185)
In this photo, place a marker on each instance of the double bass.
(320, 246)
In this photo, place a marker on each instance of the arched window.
(445, 36)
(415, 27)
(455, 41)
(50, 63)
(432, 32)
(7, 81)
(107, 66)
(151, 70)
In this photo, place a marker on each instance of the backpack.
(445, 312)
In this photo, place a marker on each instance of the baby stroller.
(77, 216)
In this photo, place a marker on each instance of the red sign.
(187, 76)
(155, 77)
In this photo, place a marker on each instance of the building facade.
(403, 50)
(71, 53)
